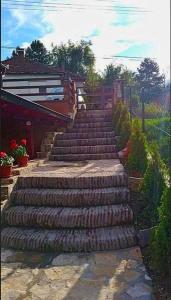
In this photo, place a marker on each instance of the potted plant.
(20, 152)
(6, 163)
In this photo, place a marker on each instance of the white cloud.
(152, 28)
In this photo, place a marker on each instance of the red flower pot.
(22, 161)
(136, 174)
(5, 171)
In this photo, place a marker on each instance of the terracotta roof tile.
(22, 65)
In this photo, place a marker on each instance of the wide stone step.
(84, 135)
(94, 113)
(68, 217)
(84, 142)
(68, 240)
(70, 197)
(92, 125)
(77, 182)
(84, 149)
(82, 157)
(94, 119)
(84, 130)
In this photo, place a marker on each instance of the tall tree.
(128, 76)
(14, 52)
(149, 77)
(112, 73)
(93, 80)
(74, 57)
(37, 52)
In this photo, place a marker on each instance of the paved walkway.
(112, 275)
(91, 168)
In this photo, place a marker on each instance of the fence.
(155, 119)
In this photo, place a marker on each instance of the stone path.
(112, 275)
(70, 207)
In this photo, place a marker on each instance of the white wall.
(42, 82)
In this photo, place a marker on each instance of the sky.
(136, 28)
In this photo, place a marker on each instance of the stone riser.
(69, 240)
(46, 147)
(87, 130)
(93, 119)
(92, 125)
(94, 113)
(84, 142)
(42, 155)
(84, 149)
(83, 157)
(70, 198)
(87, 135)
(120, 180)
(68, 217)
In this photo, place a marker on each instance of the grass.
(158, 130)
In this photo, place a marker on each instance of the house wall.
(29, 87)
(12, 128)
(26, 85)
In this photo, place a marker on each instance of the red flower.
(3, 154)
(13, 144)
(13, 141)
(23, 142)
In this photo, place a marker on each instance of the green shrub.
(154, 110)
(153, 186)
(137, 158)
(160, 135)
(117, 112)
(121, 123)
(160, 245)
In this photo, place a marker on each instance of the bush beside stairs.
(87, 213)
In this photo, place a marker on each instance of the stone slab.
(94, 276)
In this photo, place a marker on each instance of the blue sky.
(111, 32)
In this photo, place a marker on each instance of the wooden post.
(30, 139)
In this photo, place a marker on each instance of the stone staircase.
(91, 137)
(74, 207)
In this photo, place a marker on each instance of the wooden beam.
(30, 79)
(40, 94)
(32, 87)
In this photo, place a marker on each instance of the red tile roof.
(21, 65)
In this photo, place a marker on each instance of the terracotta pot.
(22, 161)
(135, 183)
(5, 171)
(136, 174)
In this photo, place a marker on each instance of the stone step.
(85, 135)
(84, 149)
(85, 142)
(68, 240)
(50, 134)
(92, 125)
(81, 182)
(82, 157)
(94, 113)
(46, 147)
(68, 217)
(87, 130)
(93, 119)
(70, 197)
(42, 155)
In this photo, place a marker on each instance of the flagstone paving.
(110, 275)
